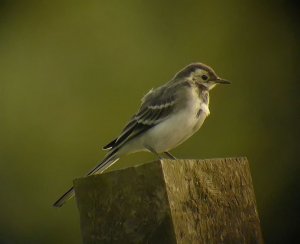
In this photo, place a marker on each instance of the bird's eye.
(204, 77)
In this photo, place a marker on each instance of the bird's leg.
(154, 152)
(170, 156)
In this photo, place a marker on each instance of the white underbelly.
(174, 130)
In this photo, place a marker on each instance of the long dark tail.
(109, 160)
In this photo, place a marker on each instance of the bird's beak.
(222, 81)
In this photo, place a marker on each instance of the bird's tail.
(109, 160)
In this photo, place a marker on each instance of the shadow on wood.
(170, 201)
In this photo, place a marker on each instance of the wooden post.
(170, 201)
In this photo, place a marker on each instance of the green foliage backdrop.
(73, 72)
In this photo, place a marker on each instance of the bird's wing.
(156, 106)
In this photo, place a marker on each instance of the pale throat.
(203, 94)
(204, 106)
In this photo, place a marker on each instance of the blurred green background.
(73, 72)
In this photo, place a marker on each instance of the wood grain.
(170, 201)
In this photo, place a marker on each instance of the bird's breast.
(179, 126)
(199, 110)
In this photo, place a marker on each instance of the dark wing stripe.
(109, 145)
(129, 125)
(126, 133)
(155, 115)
(128, 129)
(153, 118)
(150, 114)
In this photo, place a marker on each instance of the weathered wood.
(170, 201)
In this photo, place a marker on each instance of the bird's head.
(201, 74)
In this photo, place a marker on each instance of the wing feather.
(156, 106)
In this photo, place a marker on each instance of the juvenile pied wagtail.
(168, 116)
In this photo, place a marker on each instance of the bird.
(168, 116)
